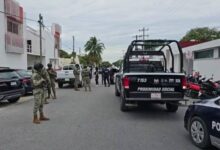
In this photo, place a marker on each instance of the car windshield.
(8, 75)
(24, 73)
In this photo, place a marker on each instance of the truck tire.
(172, 107)
(60, 85)
(116, 91)
(123, 106)
(13, 100)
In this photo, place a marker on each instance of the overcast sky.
(114, 22)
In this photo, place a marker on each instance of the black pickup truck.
(11, 88)
(144, 76)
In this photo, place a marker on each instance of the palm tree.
(95, 49)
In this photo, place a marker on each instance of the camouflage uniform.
(52, 75)
(76, 72)
(38, 83)
(86, 79)
(46, 77)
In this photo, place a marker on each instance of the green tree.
(94, 48)
(105, 64)
(202, 34)
(85, 60)
(64, 54)
(118, 63)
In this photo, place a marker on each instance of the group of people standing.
(86, 77)
(105, 72)
(43, 86)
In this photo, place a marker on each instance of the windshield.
(24, 73)
(8, 75)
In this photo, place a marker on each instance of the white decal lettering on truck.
(216, 125)
(155, 89)
(142, 80)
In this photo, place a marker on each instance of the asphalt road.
(92, 121)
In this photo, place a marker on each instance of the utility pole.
(40, 21)
(73, 43)
(73, 46)
(144, 31)
(144, 35)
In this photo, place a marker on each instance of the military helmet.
(38, 66)
(49, 65)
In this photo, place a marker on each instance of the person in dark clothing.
(97, 76)
(106, 74)
(102, 76)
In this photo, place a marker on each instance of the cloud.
(114, 22)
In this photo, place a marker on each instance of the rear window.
(146, 66)
(8, 75)
(66, 68)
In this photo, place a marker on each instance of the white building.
(50, 45)
(20, 44)
(12, 53)
(204, 57)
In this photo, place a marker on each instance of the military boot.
(43, 118)
(46, 102)
(36, 120)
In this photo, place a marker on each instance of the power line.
(18, 16)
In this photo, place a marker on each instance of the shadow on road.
(154, 112)
(4, 104)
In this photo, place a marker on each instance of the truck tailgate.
(65, 74)
(155, 86)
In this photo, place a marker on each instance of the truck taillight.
(125, 82)
(184, 83)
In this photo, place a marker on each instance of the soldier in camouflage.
(86, 78)
(76, 72)
(46, 77)
(53, 76)
(38, 91)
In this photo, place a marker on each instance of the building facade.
(20, 44)
(12, 33)
(51, 42)
(203, 58)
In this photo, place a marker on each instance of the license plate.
(13, 83)
(156, 95)
(67, 79)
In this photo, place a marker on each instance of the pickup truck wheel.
(172, 107)
(60, 85)
(123, 106)
(13, 100)
(116, 91)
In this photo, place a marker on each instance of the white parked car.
(66, 75)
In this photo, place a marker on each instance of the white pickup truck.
(66, 75)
